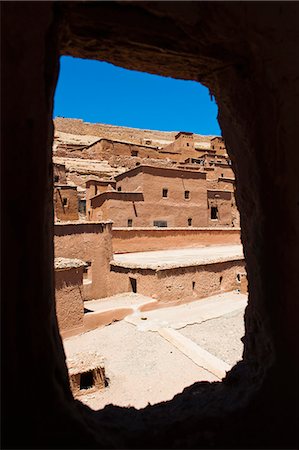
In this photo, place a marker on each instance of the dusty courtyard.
(151, 356)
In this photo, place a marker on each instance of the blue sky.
(100, 92)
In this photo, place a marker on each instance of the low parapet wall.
(127, 240)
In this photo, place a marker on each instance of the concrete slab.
(159, 260)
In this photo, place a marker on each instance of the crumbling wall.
(179, 284)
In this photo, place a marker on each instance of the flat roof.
(185, 257)
(166, 170)
(188, 133)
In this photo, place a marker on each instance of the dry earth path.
(144, 367)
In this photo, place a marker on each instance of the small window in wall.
(119, 188)
(187, 144)
(130, 222)
(95, 190)
(82, 206)
(134, 153)
(133, 284)
(190, 222)
(56, 179)
(187, 194)
(64, 201)
(214, 213)
(160, 223)
(193, 285)
(87, 271)
(222, 175)
(165, 193)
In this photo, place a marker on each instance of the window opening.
(187, 194)
(130, 222)
(82, 206)
(64, 201)
(189, 222)
(86, 380)
(133, 284)
(119, 188)
(134, 153)
(160, 223)
(165, 193)
(56, 179)
(193, 285)
(214, 213)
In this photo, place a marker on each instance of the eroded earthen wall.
(245, 53)
(92, 243)
(126, 240)
(69, 299)
(178, 285)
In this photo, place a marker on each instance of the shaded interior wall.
(175, 286)
(90, 242)
(126, 240)
(245, 54)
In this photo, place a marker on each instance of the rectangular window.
(56, 178)
(165, 193)
(82, 206)
(160, 223)
(133, 284)
(189, 222)
(214, 213)
(95, 190)
(130, 222)
(134, 153)
(64, 201)
(187, 194)
(119, 188)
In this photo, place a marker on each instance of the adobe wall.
(245, 53)
(108, 149)
(69, 299)
(68, 211)
(136, 135)
(128, 240)
(176, 285)
(222, 200)
(90, 242)
(59, 175)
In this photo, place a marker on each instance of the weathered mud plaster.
(246, 54)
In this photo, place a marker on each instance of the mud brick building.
(152, 196)
(65, 202)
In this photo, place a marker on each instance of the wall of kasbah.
(126, 240)
(68, 211)
(69, 299)
(77, 126)
(176, 285)
(256, 405)
(59, 171)
(223, 202)
(105, 149)
(144, 214)
(88, 242)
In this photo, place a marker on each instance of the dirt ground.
(143, 367)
